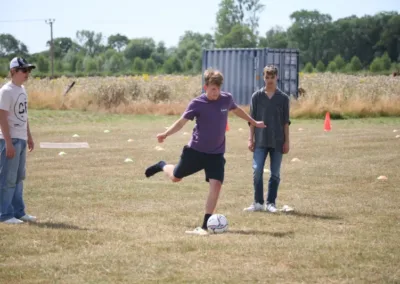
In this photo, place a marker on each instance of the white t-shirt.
(14, 99)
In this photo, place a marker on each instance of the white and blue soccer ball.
(217, 224)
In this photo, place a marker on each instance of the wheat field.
(342, 95)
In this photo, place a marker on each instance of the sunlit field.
(101, 221)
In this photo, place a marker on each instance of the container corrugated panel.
(290, 71)
(242, 70)
(287, 61)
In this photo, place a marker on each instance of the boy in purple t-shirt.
(205, 151)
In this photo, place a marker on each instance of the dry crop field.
(101, 221)
(342, 95)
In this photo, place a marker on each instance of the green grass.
(102, 221)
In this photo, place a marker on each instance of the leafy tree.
(275, 38)
(117, 41)
(90, 41)
(10, 46)
(140, 47)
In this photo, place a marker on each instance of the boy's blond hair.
(213, 77)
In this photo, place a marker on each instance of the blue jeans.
(12, 174)
(259, 157)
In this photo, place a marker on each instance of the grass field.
(101, 221)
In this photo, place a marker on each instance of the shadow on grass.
(265, 233)
(312, 216)
(57, 225)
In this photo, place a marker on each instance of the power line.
(25, 20)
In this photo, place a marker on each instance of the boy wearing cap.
(15, 138)
(270, 105)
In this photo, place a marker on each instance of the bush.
(188, 65)
(89, 64)
(172, 65)
(332, 67)
(116, 93)
(320, 66)
(340, 63)
(150, 66)
(308, 68)
(355, 64)
(386, 62)
(42, 64)
(138, 64)
(159, 92)
(376, 65)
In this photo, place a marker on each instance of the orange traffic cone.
(327, 124)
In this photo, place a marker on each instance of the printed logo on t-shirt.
(21, 108)
(224, 110)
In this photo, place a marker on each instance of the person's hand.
(10, 150)
(250, 145)
(286, 148)
(31, 144)
(259, 124)
(161, 137)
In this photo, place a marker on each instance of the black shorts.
(193, 161)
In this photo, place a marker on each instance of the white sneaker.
(198, 231)
(286, 208)
(13, 221)
(255, 207)
(28, 218)
(271, 208)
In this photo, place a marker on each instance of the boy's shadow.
(312, 216)
(265, 233)
(57, 225)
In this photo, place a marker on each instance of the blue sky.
(162, 20)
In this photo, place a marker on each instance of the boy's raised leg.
(156, 168)
(162, 166)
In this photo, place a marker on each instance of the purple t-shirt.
(211, 118)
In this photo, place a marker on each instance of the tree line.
(350, 44)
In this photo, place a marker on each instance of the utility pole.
(50, 22)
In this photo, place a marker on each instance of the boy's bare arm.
(251, 133)
(31, 144)
(286, 131)
(286, 144)
(176, 126)
(286, 108)
(242, 114)
(173, 129)
(251, 141)
(28, 130)
(10, 151)
(4, 125)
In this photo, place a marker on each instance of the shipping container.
(243, 69)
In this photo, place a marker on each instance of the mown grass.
(101, 221)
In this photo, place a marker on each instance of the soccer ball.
(217, 224)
